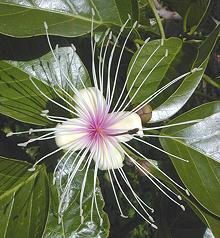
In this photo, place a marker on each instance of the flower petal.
(69, 132)
(108, 155)
(90, 100)
(124, 121)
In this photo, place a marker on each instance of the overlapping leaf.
(199, 144)
(71, 224)
(24, 200)
(20, 99)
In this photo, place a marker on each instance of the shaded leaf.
(21, 100)
(24, 199)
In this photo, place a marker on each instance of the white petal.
(91, 100)
(108, 155)
(128, 122)
(68, 132)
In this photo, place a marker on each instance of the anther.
(107, 31)
(183, 208)
(187, 192)
(135, 24)
(110, 35)
(93, 12)
(82, 219)
(24, 144)
(179, 197)
(31, 169)
(30, 131)
(9, 134)
(73, 47)
(166, 53)
(151, 218)
(154, 226)
(129, 16)
(45, 26)
(101, 222)
(146, 40)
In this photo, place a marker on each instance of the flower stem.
(157, 17)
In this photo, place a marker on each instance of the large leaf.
(20, 99)
(211, 220)
(24, 200)
(66, 18)
(199, 144)
(71, 225)
(178, 98)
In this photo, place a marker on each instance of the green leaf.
(24, 200)
(64, 18)
(71, 225)
(199, 144)
(211, 220)
(193, 11)
(20, 99)
(147, 70)
(180, 96)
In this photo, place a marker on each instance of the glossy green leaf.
(71, 225)
(64, 18)
(180, 96)
(211, 220)
(199, 144)
(24, 200)
(150, 67)
(20, 99)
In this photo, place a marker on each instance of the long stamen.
(83, 188)
(110, 61)
(155, 147)
(116, 198)
(119, 61)
(101, 61)
(130, 70)
(170, 125)
(159, 91)
(122, 191)
(67, 187)
(136, 78)
(138, 199)
(147, 175)
(51, 153)
(58, 104)
(161, 171)
(142, 83)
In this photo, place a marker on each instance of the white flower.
(100, 132)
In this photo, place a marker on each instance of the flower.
(100, 131)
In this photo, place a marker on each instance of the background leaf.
(64, 18)
(24, 199)
(171, 105)
(15, 85)
(199, 145)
